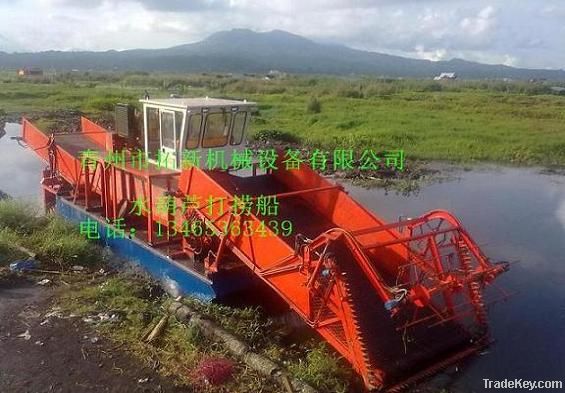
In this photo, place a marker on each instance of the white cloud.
(479, 24)
(513, 32)
(510, 61)
(434, 55)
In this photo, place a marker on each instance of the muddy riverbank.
(40, 351)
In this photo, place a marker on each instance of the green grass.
(28, 98)
(19, 217)
(54, 240)
(460, 127)
(511, 123)
(8, 253)
(177, 351)
(309, 360)
(319, 368)
(140, 304)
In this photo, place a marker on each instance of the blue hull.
(158, 265)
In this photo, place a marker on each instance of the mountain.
(242, 50)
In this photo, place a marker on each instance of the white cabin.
(172, 125)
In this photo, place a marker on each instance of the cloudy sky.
(525, 33)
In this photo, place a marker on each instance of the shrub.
(51, 238)
(19, 217)
(322, 370)
(61, 242)
(314, 105)
(432, 87)
(102, 104)
(350, 93)
(274, 135)
(9, 253)
(379, 90)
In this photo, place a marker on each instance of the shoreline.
(417, 173)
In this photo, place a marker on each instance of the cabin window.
(168, 129)
(178, 125)
(153, 136)
(217, 129)
(238, 130)
(193, 135)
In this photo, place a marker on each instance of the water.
(20, 168)
(514, 214)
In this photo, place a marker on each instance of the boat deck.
(305, 219)
(76, 143)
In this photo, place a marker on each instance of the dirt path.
(62, 355)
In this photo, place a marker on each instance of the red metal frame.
(423, 272)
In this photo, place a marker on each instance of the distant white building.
(275, 74)
(446, 76)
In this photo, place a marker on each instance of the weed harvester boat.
(399, 301)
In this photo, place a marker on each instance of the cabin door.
(169, 139)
